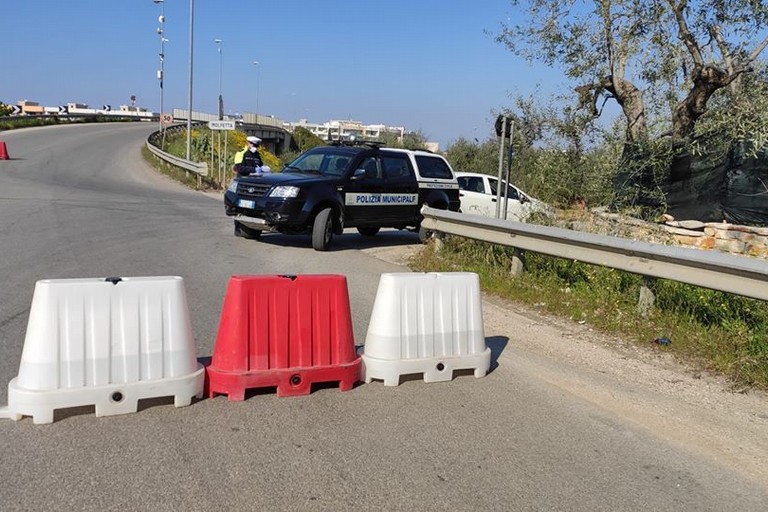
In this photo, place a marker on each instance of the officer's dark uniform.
(251, 160)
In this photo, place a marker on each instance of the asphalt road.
(547, 429)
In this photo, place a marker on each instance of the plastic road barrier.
(286, 332)
(108, 342)
(429, 323)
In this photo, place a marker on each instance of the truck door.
(402, 189)
(363, 192)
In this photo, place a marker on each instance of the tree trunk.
(706, 81)
(632, 105)
(630, 99)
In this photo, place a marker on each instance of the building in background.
(346, 129)
(31, 108)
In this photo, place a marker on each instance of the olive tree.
(722, 41)
(675, 53)
(595, 43)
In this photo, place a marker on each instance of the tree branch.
(758, 50)
(714, 31)
(685, 33)
(606, 12)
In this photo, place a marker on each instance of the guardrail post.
(517, 268)
(439, 241)
(647, 296)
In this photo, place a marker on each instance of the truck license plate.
(246, 203)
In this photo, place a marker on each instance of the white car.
(477, 193)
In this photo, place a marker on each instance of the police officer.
(251, 159)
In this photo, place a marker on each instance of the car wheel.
(246, 232)
(322, 230)
(368, 230)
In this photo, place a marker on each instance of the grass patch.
(709, 330)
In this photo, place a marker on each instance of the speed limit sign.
(166, 119)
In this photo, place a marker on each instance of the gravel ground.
(698, 411)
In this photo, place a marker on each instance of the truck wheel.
(246, 232)
(322, 230)
(368, 230)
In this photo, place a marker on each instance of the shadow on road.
(350, 240)
(497, 344)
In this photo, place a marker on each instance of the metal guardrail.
(739, 275)
(200, 168)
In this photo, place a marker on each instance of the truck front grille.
(252, 189)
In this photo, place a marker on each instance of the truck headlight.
(233, 186)
(284, 191)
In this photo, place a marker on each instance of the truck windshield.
(328, 163)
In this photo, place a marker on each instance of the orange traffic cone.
(3, 151)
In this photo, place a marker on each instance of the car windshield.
(321, 161)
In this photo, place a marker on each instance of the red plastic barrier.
(283, 331)
(4, 151)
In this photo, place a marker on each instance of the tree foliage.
(554, 156)
(5, 110)
(304, 140)
(469, 156)
(663, 59)
(738, 117)
(410, 140)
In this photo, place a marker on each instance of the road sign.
(502, 120)
(15, 109)
(221, 125)
(166, 119)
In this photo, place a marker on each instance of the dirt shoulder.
(641, 385)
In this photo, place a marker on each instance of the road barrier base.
(289, 381)
(438, 369)
(108, 400)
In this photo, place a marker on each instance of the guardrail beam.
(717, 271)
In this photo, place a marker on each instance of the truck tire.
(368, 230)
(322, 230)
(246, 232)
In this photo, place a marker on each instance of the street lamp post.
(191, 60)
(161, 33)
(219, 43)
(258, 76)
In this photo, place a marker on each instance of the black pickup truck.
(329, 188)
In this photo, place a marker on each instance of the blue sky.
(428, 65)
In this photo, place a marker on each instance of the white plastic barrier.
(430, 323)
(107, 342)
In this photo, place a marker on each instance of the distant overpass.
(269, 129)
